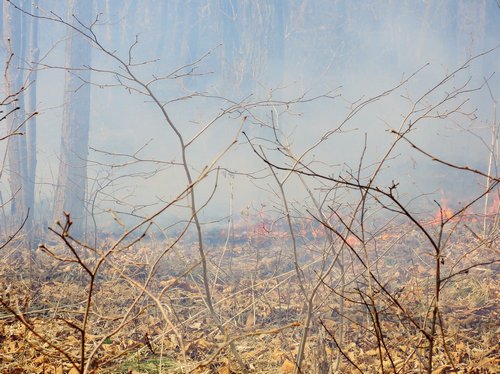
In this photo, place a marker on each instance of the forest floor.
(146, 318)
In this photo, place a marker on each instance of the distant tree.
(31, 32)
(276, 43)
(72, 177)
(21, 176)
(253, 43)
(231, 29)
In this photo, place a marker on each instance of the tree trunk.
(72, 177)
(19, 181)
(30, 107)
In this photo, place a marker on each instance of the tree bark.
(72, 178)
(30, 107)
(19, 180)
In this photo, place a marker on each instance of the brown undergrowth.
(166, 329)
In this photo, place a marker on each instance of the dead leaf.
(442, 369)
(250, 322)
(71, 340)
(204, 343)
(225, 369)
(287, 367)
(39, 360)
(195, 325)
(7, 358)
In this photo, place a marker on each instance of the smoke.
(343, 52)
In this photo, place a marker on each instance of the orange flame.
(443, 213)
(385, 236)
(352, 240)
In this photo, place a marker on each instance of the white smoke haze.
(350, 51)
